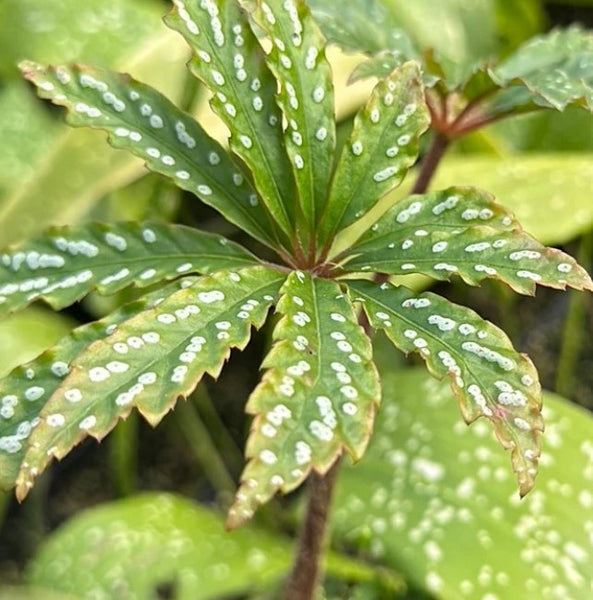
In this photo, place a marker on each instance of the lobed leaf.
(66, 263)
(297, 59)
(436, 235)
(27, 388)
(489, 377)
(382, 146)
(556, 68)
(141, 120)
(318, 395)
(149, 360)
(230, 61)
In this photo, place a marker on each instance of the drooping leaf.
(489, 377)
(382, 146)
(556, 68)
(436, 500)
(297, 59)
(141, 120)
(150, 360)
(318, 395)
(440, 235)
(66, 263)
(25, 390)
(129, 548)
(230, 61)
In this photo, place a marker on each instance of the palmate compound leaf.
(297, 58)
(27, 388)
(142, 121)
(66, 263)
(382, 146)
(318, 395)
(462, 231)
(150, 360)
(229, 60)
(489, 377)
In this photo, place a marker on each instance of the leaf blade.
(488, 376)
(66, 263)
(173, 143)
(309, 405)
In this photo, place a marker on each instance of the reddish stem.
(433, 157)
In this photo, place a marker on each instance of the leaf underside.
(318, 395)
(142, 121)
(66, 263)
(462, 231)
(489, 377)
(150, 360)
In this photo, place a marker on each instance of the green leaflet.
(25, 390)
(297, 59)
(144, 122)
(318, 395)
(230, 61)
(442, 234)
(126, 549)
(382, 146)
(66, 263)
(434, 499)
(150, 360)
(487, 374)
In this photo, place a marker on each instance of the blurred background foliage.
(430, 512)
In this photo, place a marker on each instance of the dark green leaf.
(65, 264)
(144, 122)
(318, 396)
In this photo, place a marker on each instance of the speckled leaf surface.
(379, 151)
(440, 235)
(127, 549)
(487, 374)
(24, 392)
(556, 68)
(318, 395)
(150, 360)
(66, 263)
(297, 58)
(229, 60)
(142, 121)
(435, 499)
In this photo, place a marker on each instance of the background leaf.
(435, 499)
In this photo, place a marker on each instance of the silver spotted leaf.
(66, 263)
(142, 121)
(555, 69)
(150, 360)
(318, 395)
(297, 58)
(489, 377)
(462, 231)
(27, 388)
(382, 147)
(230, 61)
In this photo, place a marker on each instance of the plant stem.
(306, 572)
(431, 161)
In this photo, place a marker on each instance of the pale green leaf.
(318, 395)
(381, 148)
(435, 499)
(297, 58)
(230, 61)
(447, 237)
(143, 121)
(126, 549)
(556, 68)
(150, 360)
(489, 377)
(25, 390)
(66, 263)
